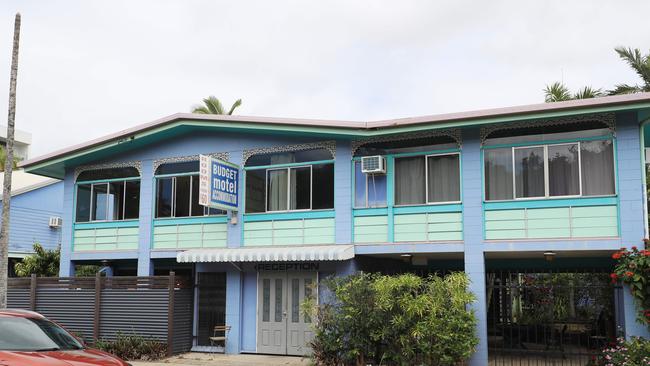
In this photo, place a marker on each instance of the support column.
(234, 233)
(66, 267)
(343, 193)
(631, 196)
(146, 209)
(473, 237)
(233, 310)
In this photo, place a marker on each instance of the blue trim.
(378, 211)
(289, 165)
(106, 180)
(289, 216)
(542, 203)
(106, 224)
(171, 175)
(454, 207)
(190, 220)
(548, 142)
(416, 153)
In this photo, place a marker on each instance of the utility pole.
(9, 167)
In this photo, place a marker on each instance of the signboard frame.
(218, 179)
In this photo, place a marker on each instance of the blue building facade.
(496, 193)
(32, 207)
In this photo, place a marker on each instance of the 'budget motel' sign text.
(219, 183)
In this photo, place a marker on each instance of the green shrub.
(133, 347)
(635, 352)
(394, 320)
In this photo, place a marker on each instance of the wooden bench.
(220, 329)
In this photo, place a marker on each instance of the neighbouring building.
(22, 142)
(35, 214)
(529, 201)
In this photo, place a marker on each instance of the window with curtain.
(427, 179)
(584, 168)
(369, 189)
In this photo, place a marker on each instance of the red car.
(29, 339)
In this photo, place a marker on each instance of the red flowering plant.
(633, 268)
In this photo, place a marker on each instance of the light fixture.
(549, 256)
(406, 255)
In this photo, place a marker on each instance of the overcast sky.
(88, 68)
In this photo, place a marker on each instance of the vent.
(56, 221)
(373, 165)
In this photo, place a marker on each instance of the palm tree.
(640, 64)
(212, 105)
(6, 189)
(558, 92)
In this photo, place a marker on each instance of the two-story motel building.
(483, 191)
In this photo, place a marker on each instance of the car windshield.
(31, 334)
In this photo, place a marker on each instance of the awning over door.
(269, 254)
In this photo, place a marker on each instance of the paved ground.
(211, 359)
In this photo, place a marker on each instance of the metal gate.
(548, 318)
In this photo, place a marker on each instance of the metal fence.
(549, 318)
(156, 307)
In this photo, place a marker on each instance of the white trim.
(336, 252)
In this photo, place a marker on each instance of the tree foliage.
(43, 263)
(558, 92)
(212, 105)
(394, 320)
(3, 159)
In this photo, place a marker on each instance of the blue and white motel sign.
(218, 183)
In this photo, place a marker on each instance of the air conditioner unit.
(373, 164)
(56, 221)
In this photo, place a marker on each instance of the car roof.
(19, 313)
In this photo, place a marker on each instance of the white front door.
(282, 328)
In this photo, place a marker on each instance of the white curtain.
(277, 190)
(597, 168)
(409, 181)
(498, 174)
(443, 178)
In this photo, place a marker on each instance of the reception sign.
(218, 183)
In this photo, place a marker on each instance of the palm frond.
(638, 62)
(588, 92)
(234, 106)
(213, 104)
(624, 89)
(556, 92)
(200, 109)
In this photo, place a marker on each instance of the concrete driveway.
(211, 359)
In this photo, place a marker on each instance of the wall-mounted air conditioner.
(373, 164)
(56, 221)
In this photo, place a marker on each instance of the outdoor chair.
(220, 334)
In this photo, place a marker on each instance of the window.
(111, 201)
(179, 197)
(369, 189)
(299, 188)
(427, 179)
(558, 170)
(293, 188)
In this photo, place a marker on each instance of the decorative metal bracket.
(607, 119)
(454, 133)
(126, 164)
(181, 159)
(329, 145)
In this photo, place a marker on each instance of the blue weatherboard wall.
(30, 214)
